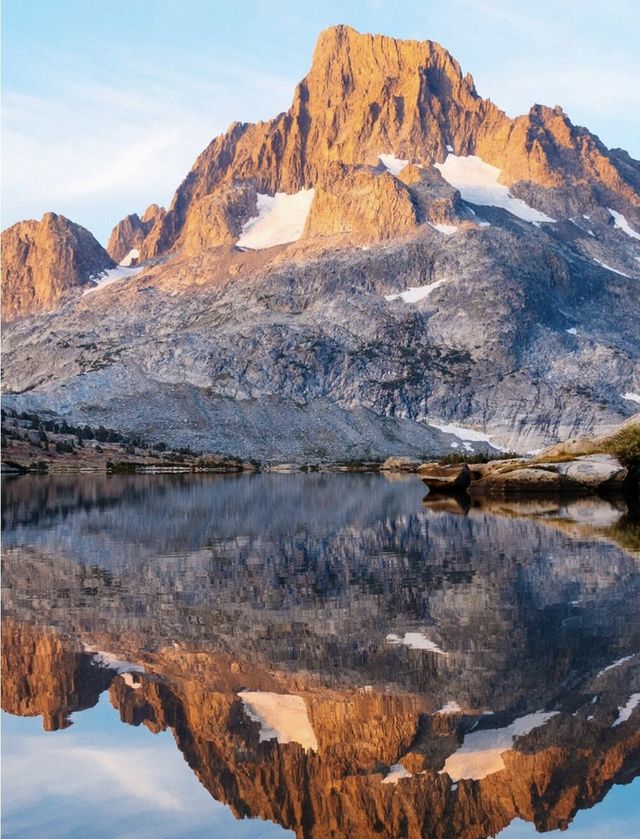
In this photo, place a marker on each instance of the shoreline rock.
(456, 478)
(585, 474)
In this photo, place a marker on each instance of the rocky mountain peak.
(42, 260)
(370, 95)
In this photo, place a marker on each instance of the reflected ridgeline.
(455, 671)
(341, 787)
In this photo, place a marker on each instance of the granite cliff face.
(391, 254)
(366, 95)
(43, 260)
(135, 233)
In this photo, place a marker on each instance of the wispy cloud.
(91, 147)
(110, 781)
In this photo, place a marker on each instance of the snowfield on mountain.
(391, 257)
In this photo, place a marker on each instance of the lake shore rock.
(445, 478)
(585, 474)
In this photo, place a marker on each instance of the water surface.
(319, 655)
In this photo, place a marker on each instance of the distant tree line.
(40, 428)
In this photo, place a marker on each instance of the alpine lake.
(316, 655)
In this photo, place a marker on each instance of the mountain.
(43, 260)
(391, 254)
(131, 233)
(370, 94)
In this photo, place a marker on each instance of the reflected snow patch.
(625, 712)
(282, 717)
(396, 773)
(451, 707)
(112, 662)
(415, 641)
(481, 752)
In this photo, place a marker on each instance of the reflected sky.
(107, 780)
(614, 818)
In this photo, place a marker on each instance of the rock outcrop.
(445, 478)
(360, 205)
(218, 218)
(367, 95)
(43, 260)
(135, 233)
(585, 474)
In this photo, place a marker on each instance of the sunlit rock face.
(42, 261)
(135, 233)
(330, 653)
(393, 251)
(371, 95)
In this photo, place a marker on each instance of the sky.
(108, 779)
(106, 105)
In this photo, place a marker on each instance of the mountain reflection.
(330, 652)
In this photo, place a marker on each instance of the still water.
(316, 656)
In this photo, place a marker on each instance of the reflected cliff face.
(335, 653)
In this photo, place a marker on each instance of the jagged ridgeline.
(390, 256)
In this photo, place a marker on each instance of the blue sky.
(107, 104)
(102, 779)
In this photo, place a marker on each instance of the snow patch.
(415, 641)
(620, 661)
(128, 680)
(416, 293)
(609, 268)
(282, 717)
(621, 223)
(467, 434)
(134, 253)
(396, 773)
(113, 275)
(631, 397)
(625, 711)
(393, 164)
(447, 229)
(481, 752)
(451, 707)
(111, 662)
(281, 219)
(477, 182)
